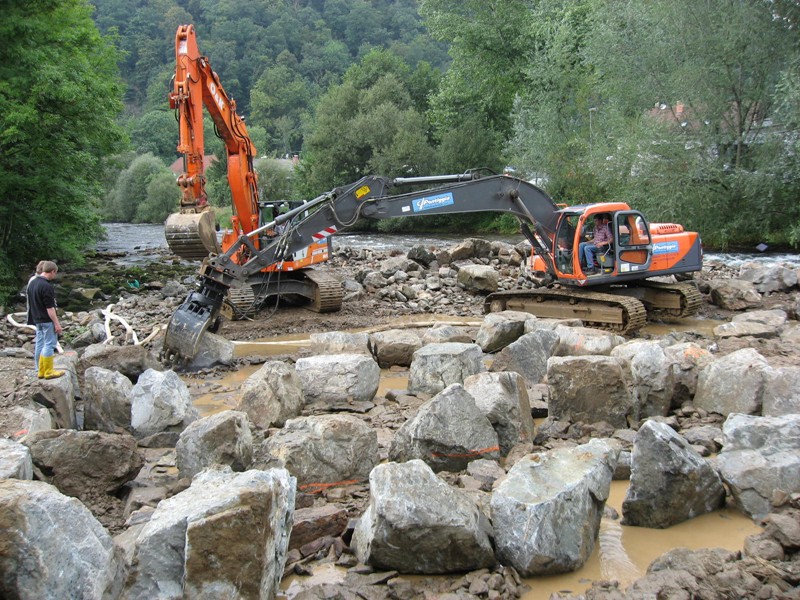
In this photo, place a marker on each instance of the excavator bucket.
(192, 236)
(186, 328)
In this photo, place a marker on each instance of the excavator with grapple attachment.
(191, 233)
(616, 297)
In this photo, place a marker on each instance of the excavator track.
(682, 299)
(620, 314)
(242, 301)
(327, 294)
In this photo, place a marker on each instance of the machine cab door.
(633, 249)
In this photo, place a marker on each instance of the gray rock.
(220, 439)
(745, 329)
(732, 383)
(447, 432)
(652, 377)
(161, 402)
(781, 394)
(503, 399)
(528, 355)
(500, 329)
(441, 334)
(340, 342)
(226, 536)
(394, 347)
(687, 359)
(81, 462)
(129, 360)
(272, 395)
(338, 377)
(436, 366)
(585, 341)
(325, 449)
(53, 547)
(107, 399)
(15, 460)
(590, 389)
(478, 278)
(212, 350)
(546, 512)
(734, 294)
(416, 523)
(670, 482)
(760, 457)
(769, 278)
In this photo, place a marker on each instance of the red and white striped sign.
(321, 235)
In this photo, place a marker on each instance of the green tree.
(162, 197)
(710, 154)
(156, 132)
(275, 180)
(59, 98)
(131, 188)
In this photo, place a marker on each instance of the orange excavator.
(191, 233)
(616, 295)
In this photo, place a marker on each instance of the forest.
(687, 110)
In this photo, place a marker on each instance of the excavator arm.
(191, 232)
(338, 210)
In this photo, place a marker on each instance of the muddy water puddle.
(622, 552)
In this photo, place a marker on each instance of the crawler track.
(328, 293)
(611, 312)
(685, 295)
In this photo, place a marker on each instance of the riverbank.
(151, 304)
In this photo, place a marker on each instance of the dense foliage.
(60, 95)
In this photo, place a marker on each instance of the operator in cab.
(600, 242)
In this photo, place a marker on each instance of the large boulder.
(760, 458)
(161, 402)
(732, 383)
(651, 375)
(478, 278)
(220, 439)
(590, 389)
(416, 523)
(340, 342)
(441, 334)
(734, 294)
(394, 347)
(781, 394)
(107, 397)
(447, 432)
(686, 360)
(528, 355)
(271, 395)
(503, 399)
(333, 378)
(670, 482)
(546, 512)
(436, 366)
(52, 546)
(211, 351)
(226, 536)
(499, 329)
(325, 449)
(769, 278)
(84, 462)
(585, 341)
(59, 394)
(129, 360)
(15, 460)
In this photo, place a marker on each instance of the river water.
(622, 552)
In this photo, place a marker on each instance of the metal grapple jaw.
(190, 322)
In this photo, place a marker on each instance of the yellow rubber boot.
(42, 369)
(49, 371)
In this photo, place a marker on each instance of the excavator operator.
(599, 243)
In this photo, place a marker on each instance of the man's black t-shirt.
(41, 296)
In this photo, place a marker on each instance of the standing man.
(42, 314)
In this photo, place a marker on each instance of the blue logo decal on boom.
(665, 248)
(431, 202)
